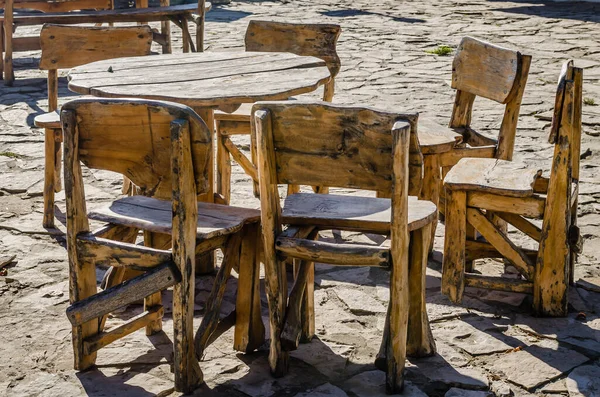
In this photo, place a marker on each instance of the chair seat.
(367, 214)
(435, 138)
(506, 178)
(48, 120)
(155, 215)
(241, 114)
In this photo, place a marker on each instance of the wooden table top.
(221, 80)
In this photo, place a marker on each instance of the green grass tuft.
(441, 50)
(589, 101)
(11, 155)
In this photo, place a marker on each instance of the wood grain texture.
(435, 138)
(356, 150)
(498, 284)
(218, 79)
(485, 69)
(501, 177)
(352, 212)
(453, 269)
(65, 47)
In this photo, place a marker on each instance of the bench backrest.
(61, 5)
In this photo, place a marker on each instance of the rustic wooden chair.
(479, 69)
(65, 47)
(164, 149)
(325, 145)
(479, 191)
(318, 40)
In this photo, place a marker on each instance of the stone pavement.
(490, 345)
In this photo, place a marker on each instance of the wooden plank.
(333, 254)
(453, 274)
(65, 47)
(501, 177)
(352, 212)
(499, 240)
(96, 251)
(103, 339)
(130, 291)
(485, 69)
(498, 284)
(481, 249)
(530, 207)
(60, 6)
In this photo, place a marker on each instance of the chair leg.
(49, 177)
(453, 269)
(57, 160)
(9, 75)
(159, 241)
(165, 30)
(276, 287)
(471, 236)
(223, 167)
(431, 187)
(420, 342)
(249, 329)
(308, 306)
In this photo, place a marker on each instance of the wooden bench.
(65, 12)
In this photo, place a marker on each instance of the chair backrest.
(320, 144)
(317, 40)
(489, 71)
(65, 46)
(133, 137)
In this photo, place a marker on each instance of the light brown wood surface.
(492, 176)
(155, 215)
(214, 80)
(352, 212)
(484, 69)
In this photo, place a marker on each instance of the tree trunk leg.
(249, 329)
(420, 341)
(165, 30)
(57, 160)
(159, 241)
(453, 269)
(49, 177)
(9, 75)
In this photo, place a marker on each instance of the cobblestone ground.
(490, 345)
